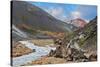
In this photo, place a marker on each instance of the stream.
(40, 51)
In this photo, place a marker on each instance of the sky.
(66, 12)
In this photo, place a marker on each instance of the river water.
(40, 51)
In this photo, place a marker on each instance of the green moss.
(81, 41)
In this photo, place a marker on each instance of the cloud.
(87, 20)
(76, 14)
(57, 12)
(86, 12)
(69, 11)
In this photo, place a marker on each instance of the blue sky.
(67, 12)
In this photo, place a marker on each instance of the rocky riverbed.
(20, 49)
(39, 52)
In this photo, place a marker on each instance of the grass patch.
(43, 42)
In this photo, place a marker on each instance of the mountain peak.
(78, 22)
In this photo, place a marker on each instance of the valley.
(40, 38)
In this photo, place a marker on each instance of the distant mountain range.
(28, 18)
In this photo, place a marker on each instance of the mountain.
(78, 22)
(31, 19)
(90, 31)
(79, 46)
(87, 35)
(27, 16)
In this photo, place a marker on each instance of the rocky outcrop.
(19, 49)
(71, 47)
(68, 52)
(72, 54)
